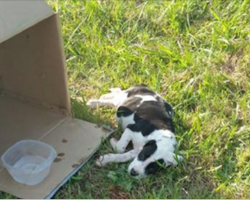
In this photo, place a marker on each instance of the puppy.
(147, 120)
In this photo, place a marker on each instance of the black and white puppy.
(147, 121)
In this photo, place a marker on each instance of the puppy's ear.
(173, 159)
(169, 109)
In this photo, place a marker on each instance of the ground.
(196, 54)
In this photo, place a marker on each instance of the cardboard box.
(34, 97)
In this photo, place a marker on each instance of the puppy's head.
(151, 159)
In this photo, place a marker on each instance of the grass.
(194, 53)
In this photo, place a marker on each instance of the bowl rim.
(48, 160)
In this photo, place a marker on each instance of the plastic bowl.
(29, 161)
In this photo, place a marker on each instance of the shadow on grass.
(188, 179)
(99, 116)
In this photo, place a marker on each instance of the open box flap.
(74, 140)
(32, 65)
(18, 15)
(34, 96)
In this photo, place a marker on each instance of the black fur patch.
(123, 111)
(136, 118)
(140, 90)
(167, 106)
(142, 126)
(154, 112)
(149, 115)
(148, 149)
(153, 167)
(128, 107)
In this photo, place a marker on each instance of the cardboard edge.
(67, 178)
(60, 38)
(107, 130)
(50, 13)
(64, 109)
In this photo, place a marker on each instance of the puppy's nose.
(133, 172)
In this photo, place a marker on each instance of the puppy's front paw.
(93, 103)
(113, 143)
(116, 147)
(177, 160)
(100, 161)
(180, 158)
(104, 160)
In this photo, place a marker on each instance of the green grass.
(195, 53)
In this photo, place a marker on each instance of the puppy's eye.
(153, 167)
(151, 170)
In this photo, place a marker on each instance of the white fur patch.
(146, 97)
(125, 121)
(113, 99)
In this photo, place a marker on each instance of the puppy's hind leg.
(94, 103)
(105, 100)
(112, 99)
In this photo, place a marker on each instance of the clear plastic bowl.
(29, 161)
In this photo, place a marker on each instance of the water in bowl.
(28, 166)
(29, 163)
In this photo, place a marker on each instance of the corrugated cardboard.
(34, 98)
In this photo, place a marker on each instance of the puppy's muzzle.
(133, 172)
